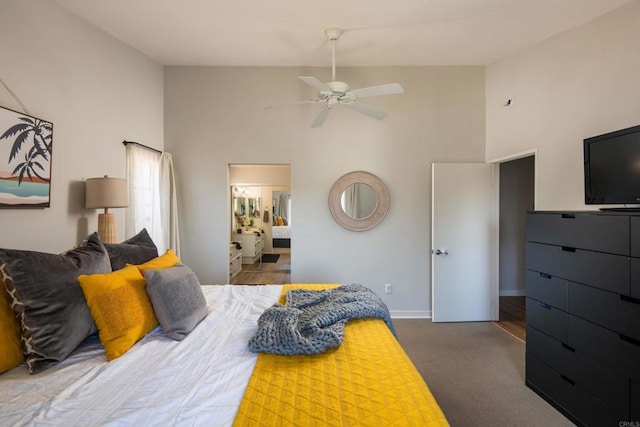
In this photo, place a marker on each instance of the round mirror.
(358, 201)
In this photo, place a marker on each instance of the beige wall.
(216, 116)
(259, 174)
(581, 83)
(96, 91)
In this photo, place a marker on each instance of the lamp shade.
(106, 192)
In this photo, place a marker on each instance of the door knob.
(441, 252)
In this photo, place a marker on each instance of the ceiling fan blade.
(306, 101)
(320, 118)
(368, 111)
(312, 81)
(388, 89)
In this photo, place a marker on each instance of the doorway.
(517, 196)
(277, 272)
(260, 222)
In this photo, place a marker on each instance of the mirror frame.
(382, 205)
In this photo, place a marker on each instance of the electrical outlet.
(388, 288)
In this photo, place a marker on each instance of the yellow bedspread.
(369, 380)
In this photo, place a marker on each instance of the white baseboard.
(513, 293)
(410, 314)
(426, 314)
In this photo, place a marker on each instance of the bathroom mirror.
(256, 210)
(238, 206)
(358, 201)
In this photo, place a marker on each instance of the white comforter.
(197, 381)
(281, 232)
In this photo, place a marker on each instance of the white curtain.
(152, 197)
(169, 204)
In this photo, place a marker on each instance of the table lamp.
(106, 193)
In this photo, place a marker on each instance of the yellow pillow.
(120, 307)
(169, 259)
(280, 221)
(11, 354)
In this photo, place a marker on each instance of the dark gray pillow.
(177, 299)
(45, 295)
(135, 250)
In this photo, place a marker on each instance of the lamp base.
(107, 227)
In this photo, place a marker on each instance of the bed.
(207, 376)
(281, 235)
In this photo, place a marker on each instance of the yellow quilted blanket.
(369, 380)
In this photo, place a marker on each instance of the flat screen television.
(612, 168)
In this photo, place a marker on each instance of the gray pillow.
(177, 299)
(46, 297)
(135, 250)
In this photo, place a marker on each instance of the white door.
(464, 227)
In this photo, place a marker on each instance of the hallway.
(266, 273)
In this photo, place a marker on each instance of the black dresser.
(583, 314)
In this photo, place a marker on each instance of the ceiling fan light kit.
(333, 33)
(338, 93)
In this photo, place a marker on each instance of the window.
(152, 197)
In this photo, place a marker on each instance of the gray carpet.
(476, 373)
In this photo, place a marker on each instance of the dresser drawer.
(547, 289)
(545, 348)
(609, 386)
(635, 236)
(598, 379)
(235, 264)
(606, 309)
(568, 396)
(233, 252)
(604, 233)
(604, 345)
(605, 271)
(634, 289)
(635, 401)
(547, 319)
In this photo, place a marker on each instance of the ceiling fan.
(338, 93)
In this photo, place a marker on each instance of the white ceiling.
(377, 32)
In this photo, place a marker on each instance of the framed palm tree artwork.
(25, 160)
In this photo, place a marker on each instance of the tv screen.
(612, 168)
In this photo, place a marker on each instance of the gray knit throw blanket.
(310, 322)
